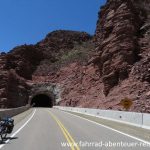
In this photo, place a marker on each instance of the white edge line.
(133, 137)
(19, 129)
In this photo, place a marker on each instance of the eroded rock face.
(19, 65)
(24, 60)
(57, 46)
(13, 88)
(3, 82)
(117, 39)
(58, 42)
(15, 68)
(122, 45)
(101, 78)
(17, 90)
(79, 85)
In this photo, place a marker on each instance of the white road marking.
(19, 129)
(133, 137)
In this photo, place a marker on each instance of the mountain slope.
(96, 71)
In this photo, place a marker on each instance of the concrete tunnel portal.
(41, 100)
(44, 95)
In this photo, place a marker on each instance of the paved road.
(50, 129)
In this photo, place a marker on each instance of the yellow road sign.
(126, 103)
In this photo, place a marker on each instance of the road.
(51, 129)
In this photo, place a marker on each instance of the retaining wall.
(132, 118)
(13, 112)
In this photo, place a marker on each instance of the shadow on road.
(7, 138)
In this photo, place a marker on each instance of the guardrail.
(137, 119)
(13, 111)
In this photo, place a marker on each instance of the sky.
(29, 21)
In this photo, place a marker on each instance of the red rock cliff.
(117, 38)
(119, 67)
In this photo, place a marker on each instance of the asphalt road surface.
(50, 129)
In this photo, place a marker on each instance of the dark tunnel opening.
(41, 100)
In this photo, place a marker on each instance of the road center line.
(19, 129)
(72, 143)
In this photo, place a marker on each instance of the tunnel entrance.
(41, 100)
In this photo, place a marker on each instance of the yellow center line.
(70, 143)
(74, 143)
(65, 132)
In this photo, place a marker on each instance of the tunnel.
(41, 100)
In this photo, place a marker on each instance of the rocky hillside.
(20, 64)
(60, 48)
(122, 42)
(96, 71)
(13, 88)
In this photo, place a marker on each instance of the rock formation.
(20, 64)
(96, 71)
(122, 41)
(13, 88)
(117, 38)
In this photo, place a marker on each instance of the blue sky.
(28, 21)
